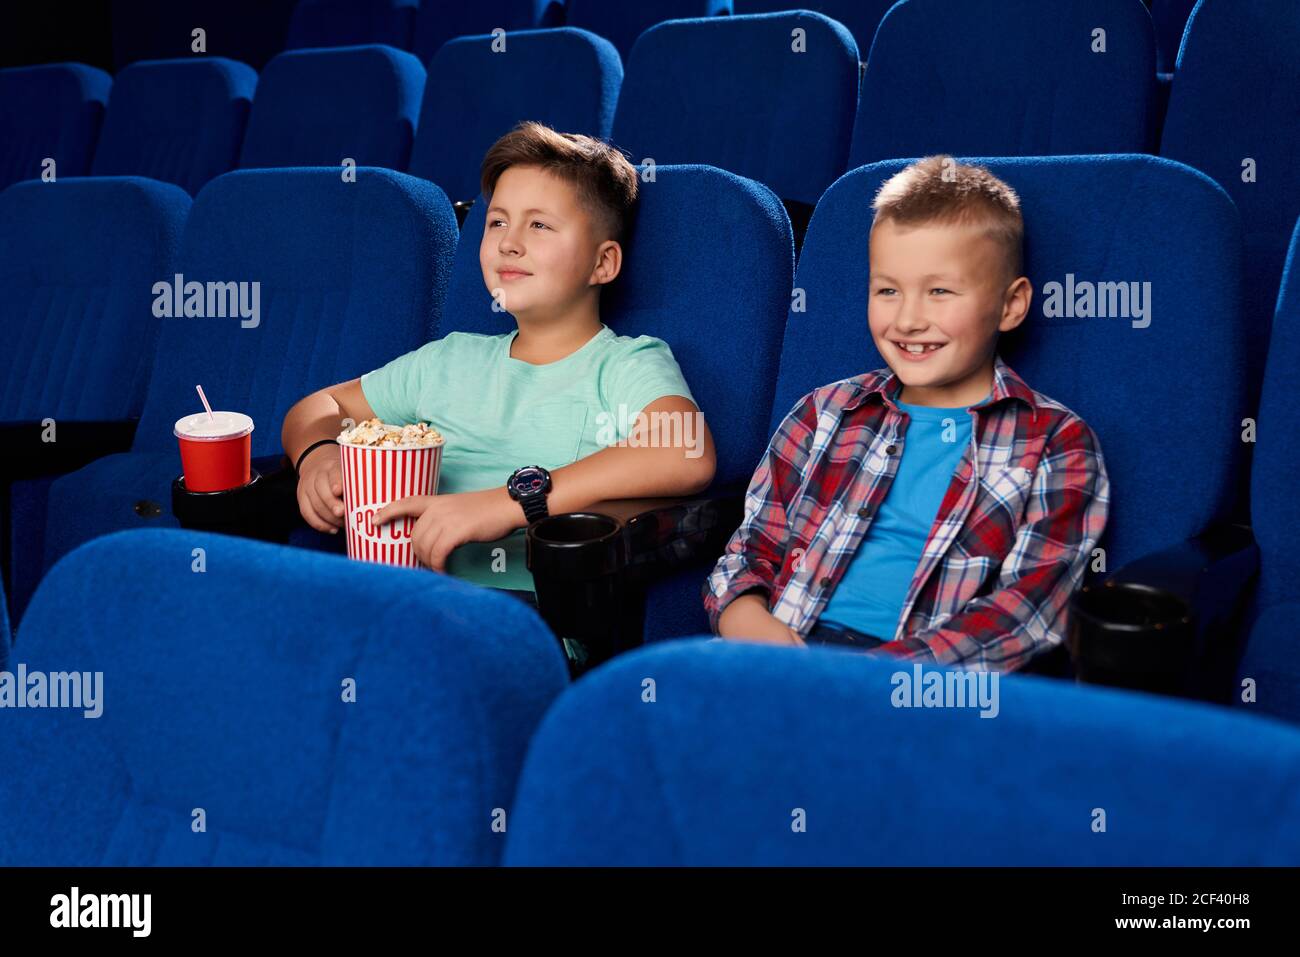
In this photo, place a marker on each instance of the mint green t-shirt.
(497, 413)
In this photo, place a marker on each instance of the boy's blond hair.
(606, 182)
(938, 189)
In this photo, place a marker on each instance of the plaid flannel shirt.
(1013, 535)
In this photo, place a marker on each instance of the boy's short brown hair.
(606, 182)
(938, 189)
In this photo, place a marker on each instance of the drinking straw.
(204, 399)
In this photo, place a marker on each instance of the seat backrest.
(53, 112)
(1269, 657)
(320, 107)
(1169, 17)
(336, 23)
(440, 20)
(350, 275)
(1014, 78)
(568, 79)
(622, 23)
(769, 96)
(180, 121)
(318, 711)
(762, 756)
(1176, 384)
(707, 269)
(860, 16)
(78, 258)
(1233, 114)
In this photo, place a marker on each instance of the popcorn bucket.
(373, 477)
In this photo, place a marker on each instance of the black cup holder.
(265, 508)
(1131, 635)
(578, 562)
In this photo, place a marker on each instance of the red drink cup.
(215, 450)
(372, 478)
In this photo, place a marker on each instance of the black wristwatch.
(528, 486)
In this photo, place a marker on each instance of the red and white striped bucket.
(373, 477)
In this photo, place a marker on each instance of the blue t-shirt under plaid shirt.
(869, 598)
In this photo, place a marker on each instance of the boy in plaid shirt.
(939, 509)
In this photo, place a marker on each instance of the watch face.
(530, 480)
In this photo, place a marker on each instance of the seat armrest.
(29, 455)
(266, 508)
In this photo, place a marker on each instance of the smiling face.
(939, 295)
(542, 248)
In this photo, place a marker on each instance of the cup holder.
(1131, 635)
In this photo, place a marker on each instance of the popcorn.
(375, 434)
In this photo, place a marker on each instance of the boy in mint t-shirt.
(601, 416)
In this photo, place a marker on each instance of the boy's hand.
(320, 489)
(747, 619)
(448, 521)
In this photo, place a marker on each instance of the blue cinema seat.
(53, 112)
(732, 92)
(78, 260)
(1273, 641)
(1174, 460)
(1015, 78)
(227, 666)
(622, 23)
(862, 17)
(1232, 115)
(320, 107)
(440, 20)
(721, 753)
(180, 121)
(351, 274)
(336, 23)
(568, 79)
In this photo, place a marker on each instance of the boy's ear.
(609, 262)
(1015, 304)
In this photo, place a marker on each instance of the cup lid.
(199, 427)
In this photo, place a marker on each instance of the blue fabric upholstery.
(440, 20)
(1271, 658)
(568, 79)
(1170, 20)
(78, 260)
(739, 738)
(1238, 78)
(180, 121)
(1100, 219)
(336, 23)
(1018, 78)
(860, 16)
(5, 633)
(732, 93)
(623, 23)
(224, 690)
(319, 107)
(351, 275)
(50, 111)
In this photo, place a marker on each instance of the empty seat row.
(213, 701)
